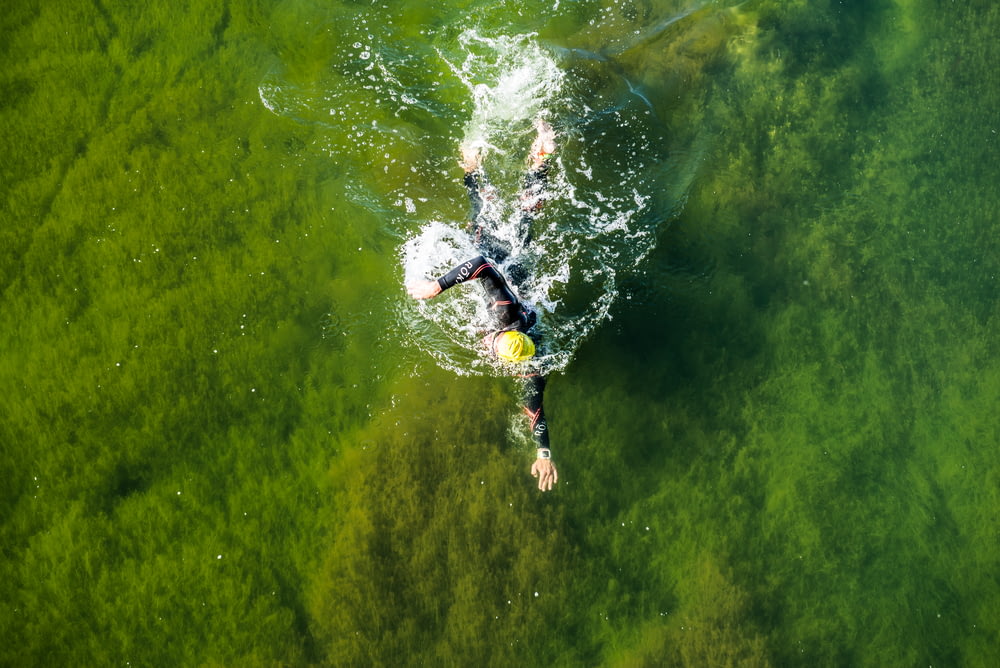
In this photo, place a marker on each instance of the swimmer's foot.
(471, 159)
(544, 144)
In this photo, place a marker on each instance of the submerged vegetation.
(217, 448)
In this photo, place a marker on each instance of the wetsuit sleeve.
(476, 268)
(533, 388)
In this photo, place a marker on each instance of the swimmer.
(511, 339)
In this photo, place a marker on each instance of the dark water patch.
(828, 34)
(13, 90)
(219, 29)
(476, 540)
(128, 481)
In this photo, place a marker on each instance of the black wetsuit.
(509, 314)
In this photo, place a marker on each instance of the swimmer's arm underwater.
(533, 388)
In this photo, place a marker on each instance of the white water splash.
(511, 79)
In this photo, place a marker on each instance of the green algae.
(781, 450)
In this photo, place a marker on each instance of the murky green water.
(229, 438)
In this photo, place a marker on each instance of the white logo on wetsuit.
(464, 273)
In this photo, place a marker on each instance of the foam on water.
(511, 80)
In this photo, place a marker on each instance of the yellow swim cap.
(514, 347)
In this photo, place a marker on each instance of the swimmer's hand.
(545, 471)
(424, 289)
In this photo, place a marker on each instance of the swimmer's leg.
(535, 181)
(475, 186)
(482, 196)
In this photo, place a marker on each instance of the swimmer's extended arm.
(543, 468)
(476, 268)
(532, 391)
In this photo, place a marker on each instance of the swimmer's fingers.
(545, 471)
(546, 480)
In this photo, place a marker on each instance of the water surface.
(768, 271)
